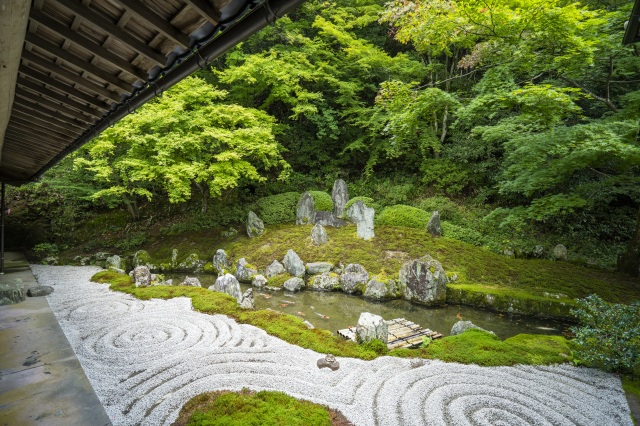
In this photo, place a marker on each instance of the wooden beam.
(52, 105)
(51, 118)
(50, 66)
(60, 85)
(40, 143)
(83, 64)
(58, 97)
(88, 45)
(206, 10)
(31, 130)
(113, 30)
(45, 125)
(143, 13)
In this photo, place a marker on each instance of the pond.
(335, 310)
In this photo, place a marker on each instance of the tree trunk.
(629, 262)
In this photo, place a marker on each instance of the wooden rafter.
(86, 44)
(52, 105)
(58, 97)
(145, 14)
(48, 116)
(206, 10)
(113, 30)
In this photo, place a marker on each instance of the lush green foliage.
(280, 208)
(248, 408)
(608, 335)
(322, 200)
(203, 144)
(401, 215)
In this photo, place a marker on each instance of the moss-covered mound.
(265, 408)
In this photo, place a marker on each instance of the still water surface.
(336, 310)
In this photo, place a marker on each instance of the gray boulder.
(228, 284)
(12, 292)
(114, 262)
(39, 290)
(354, 278)
(259, 281)
(371, 327)
(191, 263)
(246, 301)
(255, 225)
(433, 226)
(560, 252)
(293, 264)
(314, 268)
(362, 216)
(101, 256)
(328, 219)
(340, 196)
(142, 276)
(425, 281)
(375, 289)
(306, 209)
(319, 235)
(276, 268)
(244, 272)
(293, 284)
(191, 281)
(462, 326)
(326, 281)
(220, 262)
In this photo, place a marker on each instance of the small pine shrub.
(280, 208)
(401, 215)
(322, 201)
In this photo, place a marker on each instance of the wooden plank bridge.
(402, 334)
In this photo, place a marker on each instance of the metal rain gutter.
(225, 36)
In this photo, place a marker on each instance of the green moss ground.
(470, 347)
(265, 408)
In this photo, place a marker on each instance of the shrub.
(401, 215)
(322, 200)
(461, 233)
(376, 345)
(448, 209)
(446, 175)
(43, 250)
(280, 208)
(608, 335)
(369, 202)
(134, 240)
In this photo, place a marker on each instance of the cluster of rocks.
(357, 213)
(14, 292)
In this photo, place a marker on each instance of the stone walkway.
(145, 359)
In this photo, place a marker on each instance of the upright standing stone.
(319, 235)
(255, 225)
(560, 252)
(293, 264)
(174, 258)
(246, 301)
(371, 327)
(424, 280)
(433, 227)
(228, 284)
(220, 262)
(363, 218)
(340, 196)
(306, 210)
(142, 276)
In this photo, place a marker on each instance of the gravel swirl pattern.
(145, 359)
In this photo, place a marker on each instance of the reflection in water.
(336, 310)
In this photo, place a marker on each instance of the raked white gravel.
(145, 359)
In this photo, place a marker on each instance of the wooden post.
(2, 206)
